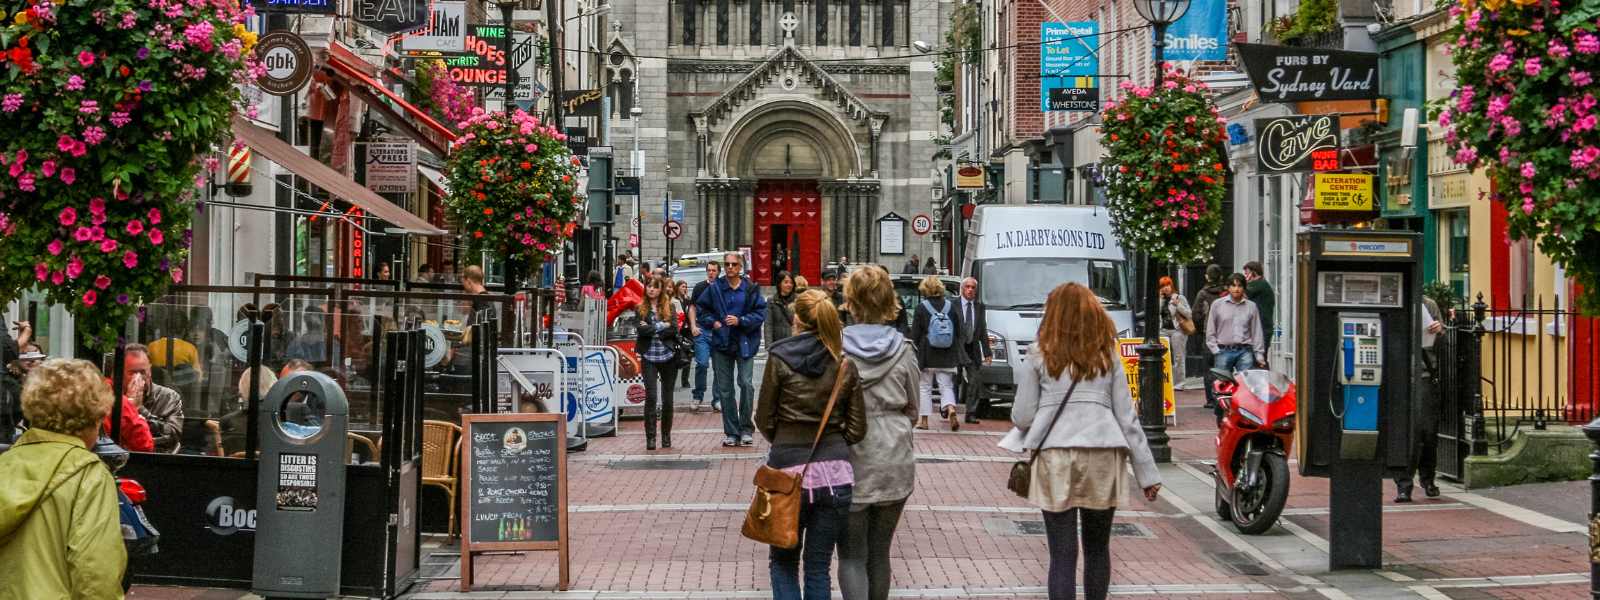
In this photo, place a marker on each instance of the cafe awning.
(320, 175)
(415, 122)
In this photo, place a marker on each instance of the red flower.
(477, 234)
(488, 212)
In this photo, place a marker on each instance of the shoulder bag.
(774, 515)
(1022, 471)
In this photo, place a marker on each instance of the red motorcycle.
(1254, 437)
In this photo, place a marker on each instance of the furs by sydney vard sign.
(1284, 74)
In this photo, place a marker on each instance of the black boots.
(666, 439)
(650, 443)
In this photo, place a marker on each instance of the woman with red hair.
(1174, 312)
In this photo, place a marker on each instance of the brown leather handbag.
(1021, 480)
(774, 515)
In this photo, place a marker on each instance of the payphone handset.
(1360, 369)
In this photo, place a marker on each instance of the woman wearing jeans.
(1081, 473)
(794, 394)
(884, 464)
(658, 332)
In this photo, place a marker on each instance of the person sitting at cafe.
(160, 406)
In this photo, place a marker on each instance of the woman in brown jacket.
(800, 376)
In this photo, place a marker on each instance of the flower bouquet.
(513, 186)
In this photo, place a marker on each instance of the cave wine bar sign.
(1284, 74)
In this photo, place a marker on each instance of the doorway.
(788, 230)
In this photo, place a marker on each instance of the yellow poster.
(1342, 192)
(1128, 349)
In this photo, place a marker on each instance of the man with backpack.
(732, 310)
(935, 329)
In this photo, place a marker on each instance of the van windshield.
(1020, 283)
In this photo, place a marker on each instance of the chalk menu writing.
(515, 481)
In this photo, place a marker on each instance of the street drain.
(1241, 563)
(1032, 527)
(660, 465)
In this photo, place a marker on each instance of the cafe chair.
(353, 441)
(441, 450)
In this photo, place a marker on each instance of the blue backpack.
(941, 331)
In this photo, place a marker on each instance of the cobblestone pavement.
(665, 524)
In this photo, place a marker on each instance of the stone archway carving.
(834, 140)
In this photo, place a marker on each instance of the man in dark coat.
(733, 310)
(975, 343)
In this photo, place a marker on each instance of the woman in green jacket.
(60, 535)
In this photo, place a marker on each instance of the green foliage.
(1166, 169)
(1443, 294)
(1311, 18)
(961, 47)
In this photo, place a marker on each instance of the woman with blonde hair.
(60, 529)
(795, 392)
(1074, 408)
(936, 330)
(658, 321)
(884, 463)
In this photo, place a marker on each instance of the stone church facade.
(788, 126)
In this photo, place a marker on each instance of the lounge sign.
(1284, 74)
(1289, 144)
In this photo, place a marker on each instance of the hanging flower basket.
(1166, 169)
(513, 186)
(107, 108)
(1525, 110)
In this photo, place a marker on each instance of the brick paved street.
(665, 524)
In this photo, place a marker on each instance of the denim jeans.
(736, 420)
(864, 551)
(702, 360)
(1238, 359)
(824, 513)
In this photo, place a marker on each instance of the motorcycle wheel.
(1256, 510)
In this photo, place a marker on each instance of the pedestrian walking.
(681, 294)
(702, 337)
(658, 322)
(594, 288)
(1177, 320)
(1233, 332)
(976, 352)
(936, 330)
(885, 364)
(912, 266)
(1215, 287)
(732, 310)
(60, 527)
(929, 268)
(1259, 290)
(1425, 415)
(795, 417)
(1074, 407)
(780, 309)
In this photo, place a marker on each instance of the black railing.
(1535, 366)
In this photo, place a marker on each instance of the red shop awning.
(320, 175)
(417, 123)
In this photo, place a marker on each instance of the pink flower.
(1585, 42)
(74, 83)
(177, 274)
(89, 107)
(55, 247)
(102, 282)
(1500, 63)
(11, 103)
(57, 277)
(154, 216)
(74, 268)
(118, 119)
(156, 237)
(135, 227)
(67, 216)
(83, 234)
(1558, 49)
(64, 143)
(1580, 78)
(108, 245)
(93, 135)
(130, 259)
(1532, 67)
(48, 168)
(1528, 170)
(1582, 158)
(97, 233)
(90, 297)
(531, 148)
(41, 271)
(86, 58)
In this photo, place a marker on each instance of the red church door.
(788, 231)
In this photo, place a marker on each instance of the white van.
(1020, 253)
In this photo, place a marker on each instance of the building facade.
(788, 127)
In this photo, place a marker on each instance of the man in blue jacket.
(733, 310)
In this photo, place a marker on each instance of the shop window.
(1047, 185)
(1458, 249)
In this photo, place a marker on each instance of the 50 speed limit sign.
(921, 224)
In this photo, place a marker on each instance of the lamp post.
(506, 8)
(1152, 383)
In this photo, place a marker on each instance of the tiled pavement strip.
(646, 533)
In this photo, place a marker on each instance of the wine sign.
(1289, 144)
(1284, 74)
(513, 486)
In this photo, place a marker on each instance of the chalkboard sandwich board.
(513, 486)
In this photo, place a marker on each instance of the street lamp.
(1152, 413)
(506, 8)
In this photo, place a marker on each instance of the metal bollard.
(1592, 430)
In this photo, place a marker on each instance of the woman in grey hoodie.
(884, 462)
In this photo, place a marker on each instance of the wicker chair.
(356, 440)
(441, 450)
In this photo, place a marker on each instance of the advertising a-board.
(1128, 350)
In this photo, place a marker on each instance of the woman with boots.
(780, 309)
(658, 333)
(795, 391)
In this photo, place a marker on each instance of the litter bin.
(300, 488)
